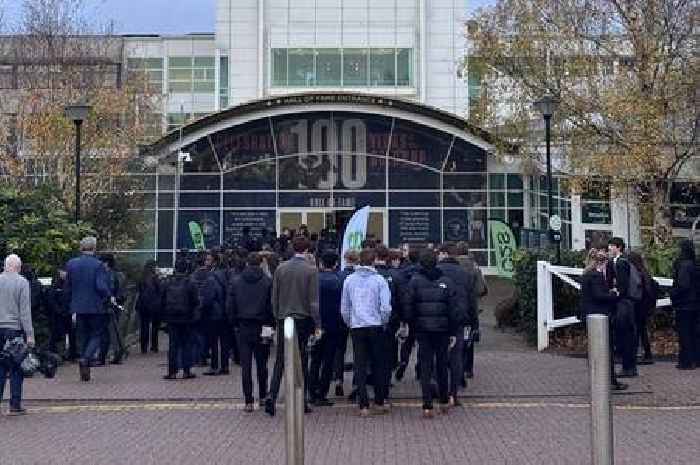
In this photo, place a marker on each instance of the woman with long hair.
(685, 298)
(643, 309)
(597, 298)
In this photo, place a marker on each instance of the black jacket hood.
(432, 273)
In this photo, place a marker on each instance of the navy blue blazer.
(87, 285)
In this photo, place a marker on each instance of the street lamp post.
(77, 113)
(547, 105)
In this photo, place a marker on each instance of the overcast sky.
(158, 16)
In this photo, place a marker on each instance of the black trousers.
(688, 327)
(62, 326)
(432, 348)
(179, 348)
(625, 334)
(456, 361)
(323, 364)
(218, 338)
(305, 327)
(251, 345)
(339, 366)
(369, 347)
(148, 331)
(641, 315)
(407, 347)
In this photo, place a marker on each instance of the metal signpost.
(601, 412)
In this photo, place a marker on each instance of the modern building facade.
(301, 111)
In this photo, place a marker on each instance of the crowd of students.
(225, 304)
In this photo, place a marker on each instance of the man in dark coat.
(330, 288)
(87, 288)
(394, 280)
(685, 298)
(295, 295)
(465, 284)
(412, 267)
(618, 277)
(431, 306)
(352, 259)
(180, 310)
(249, 309)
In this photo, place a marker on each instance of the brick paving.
(522, 408)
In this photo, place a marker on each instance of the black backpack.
(177, 301)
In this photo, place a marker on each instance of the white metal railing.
(545, 299)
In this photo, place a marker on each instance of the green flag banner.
(503, 243)
(197, 236)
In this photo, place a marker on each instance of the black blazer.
(618, 275)
(595, 295)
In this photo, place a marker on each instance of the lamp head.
(77, 112)
(547, 105)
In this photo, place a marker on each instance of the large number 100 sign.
(352, 150)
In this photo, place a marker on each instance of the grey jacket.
(15, 304)
(295, 290)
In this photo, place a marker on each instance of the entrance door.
(333, 220)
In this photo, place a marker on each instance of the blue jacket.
(87, 285)
(330, 288)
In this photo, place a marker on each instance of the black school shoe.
(16, 412)
(270, 407)
(84, 369)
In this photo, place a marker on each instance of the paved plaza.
(522, 408)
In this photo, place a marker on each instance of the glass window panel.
(382, 70)
(497, 199)
(165, 229)
(414, 199)
(180, 62)
(256, 221)
(244, 199)
(404, 72)
(515, 181)
(497, 214)
(200, 200)
(301, 67)
(180, 86)
(204, 62)
(465, 199)
(180, 74)
(466, 158)
(516, 221)
(154, 63)
(328, 67)
(416, 143)
(197, 182)
(203, 159)
(204, 86)
(414, 226)
(464, 181)
(497, 181)
(279, 67)
(223, 73)
(515, 199)
(200, 74)
(259, 176)
(243, 144)
(355, 67)
(209, 222)
(476, 221)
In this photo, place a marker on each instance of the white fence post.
(544, 304)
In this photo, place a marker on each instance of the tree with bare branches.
(626, 76)
(55, 58)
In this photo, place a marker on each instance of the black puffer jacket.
(249, 297)
(430, 302)
(465, 285)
